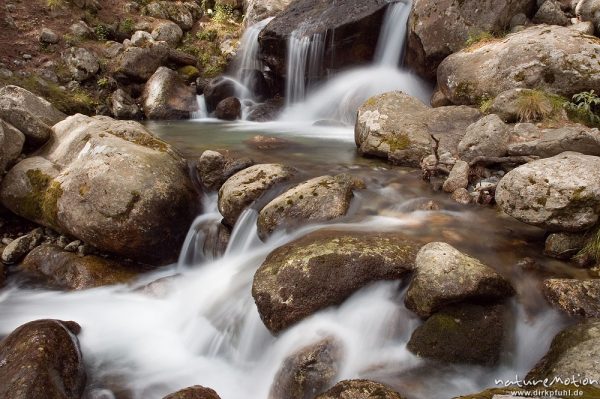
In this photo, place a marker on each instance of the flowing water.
(195, 322)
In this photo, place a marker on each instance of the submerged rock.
(324, 268)
(399, 127)
(360, 389)
(31, 115)
(42, 360)
(463, 334)
(215, 168)
(443, 276)
(317, 200)
(67, 270)
(246, 186)
(561, 193)
(438, 28)
(574, 297)
(108, 183)
(195, 392)
(166, 96)
(551, 58)
(574, 352)
(308, 371)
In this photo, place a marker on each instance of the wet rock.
(11, 145)
(488, 137)
(256, 83)
(458, 177)
(438, 28)
(317, 200)
(195, 392)
(267, 143)
(66, 270)
(324, 268)
(574, 297)
(214, 168)
(18, 248)
(550, 58)
(573, 352)
(360, 389)
(175, 11)
(550, 13)
(511, 104)
(561, 193)
(564, 245)
(218, 90)
(107, 182)
(169, 32)
(444, 275)
(353, 21)
(267, 111)
(139, 63)
(462, 196)
(166, 96)
(41, 360)
(463, 334)
(551, 142)
(229, 109)
(307, 372)
(589, 10)
(243, 188)
(48, 36)
(123, 106)
(31, 115)
(405, 137)
(82, 63)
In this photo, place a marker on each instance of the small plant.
(586, 107)
(55, 4)
(591, 249)
(485, 104)
(102, 32)
(127, 25)
(210, 35)
(534, 105)
(103, 82)
(479, 37)
(223, 13)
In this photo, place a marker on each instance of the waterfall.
(202, 112)
(304, 57)
(390, 46)
(249, 58)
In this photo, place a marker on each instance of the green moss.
(485, 104)
(41, 203)
(398, 142)
(479, 37)
(189, 72)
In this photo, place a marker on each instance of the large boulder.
(399, 128)
(138, 64)
(574, 297)
(257, 10)
(229, 109)
(324, 268)
(551, 58)
(353, 21)
(561, 193)
(109, 183)
(41, 360)
(179, 12)
(589, 10)
(166, 96)
(444, 275)
(82, 63)
(316, 200)
(438, 28)
(553, 141)
(487, 137)
(70, 271)
(246, 186)
(574, 352)
(30, 114)
(195, 392)
(360, 389)
(464, 334)
(308, 371)
(11, 145)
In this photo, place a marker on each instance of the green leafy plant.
(210, 35)
(103, 82)
(586, 107)
(102, 32)
(223, 13)
(54, 4)
(127, 25)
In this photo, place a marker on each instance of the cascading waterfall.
(304, 60)
(249, 58)
(390, 46)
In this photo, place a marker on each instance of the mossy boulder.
(360, 389)
(399, 128)
(552, 58)
(561, 193)
(324, 268)
(463, 334)
(246, 186)
(109, 183)
(308, 371)
(66, 270)
(166, 96)
(573, 352)
(41, 360)
(574, 297)
(317, 200)
(195, 392)
(444, 275)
